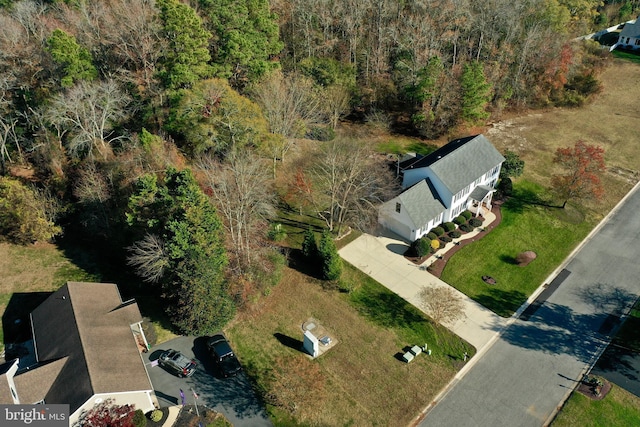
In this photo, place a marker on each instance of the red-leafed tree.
(299, 191)
(583, 165)
(108, 414)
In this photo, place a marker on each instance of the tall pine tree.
(476, 92)
(187, 58)
(331, 262)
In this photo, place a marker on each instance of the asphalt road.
(233, 397)
(535, 363)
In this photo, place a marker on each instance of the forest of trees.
(157, 127)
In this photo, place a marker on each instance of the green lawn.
(629, 56)
(528, 224)
(618, 408)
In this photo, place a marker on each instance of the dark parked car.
(223, 355)
(177, 363)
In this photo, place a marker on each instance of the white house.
(630, 36)
(88, 345)
(438, 187)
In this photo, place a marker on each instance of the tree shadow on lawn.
(387, 309)
(523, 199)
(502, 302)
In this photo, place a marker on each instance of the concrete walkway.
(174, 411)
(381, 257)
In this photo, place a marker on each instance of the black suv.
(175, 362)
(223, 356)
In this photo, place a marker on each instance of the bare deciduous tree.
(290, 104)
(350, 181)
(87, 113)
(336, 102)
(240, 188)
(148, 257)
(442, 304)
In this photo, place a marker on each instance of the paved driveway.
(381, 257)
(536, 363)
(233, 397)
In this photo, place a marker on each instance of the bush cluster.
(475, 222)
(467, 215)
(431, 235)
(421, 247)
(466, 228)
(448, 226)
(438, 231)
(459, 220)
(455, 234)
(445, 238)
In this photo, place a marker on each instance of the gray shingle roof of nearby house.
(89, 323)
(421, 203)
(460, 162)
(631, 30)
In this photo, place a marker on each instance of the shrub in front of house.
(421, 247)
(156, 415)
(455, 234)
(467, 214)
(448, 226)
(459, 220)
(475, 222)
(435, 245)
(439, 231)
(431, 235)
(139, 420)
(446, 239)
(466, 228)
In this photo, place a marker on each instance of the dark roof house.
(87, 343)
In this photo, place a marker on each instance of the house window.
(637, 42)
(398, 207)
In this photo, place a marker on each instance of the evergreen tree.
(476, 92)
(192, 281)
(309, 245)
(75, 59)
(187, 58)
(331, 262)
(513, 165)
(246, 37)
(213, 117)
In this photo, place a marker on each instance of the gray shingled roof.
(421, 203)
(466, 163)
(89, 323)
(480, 192)
(631, 30)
